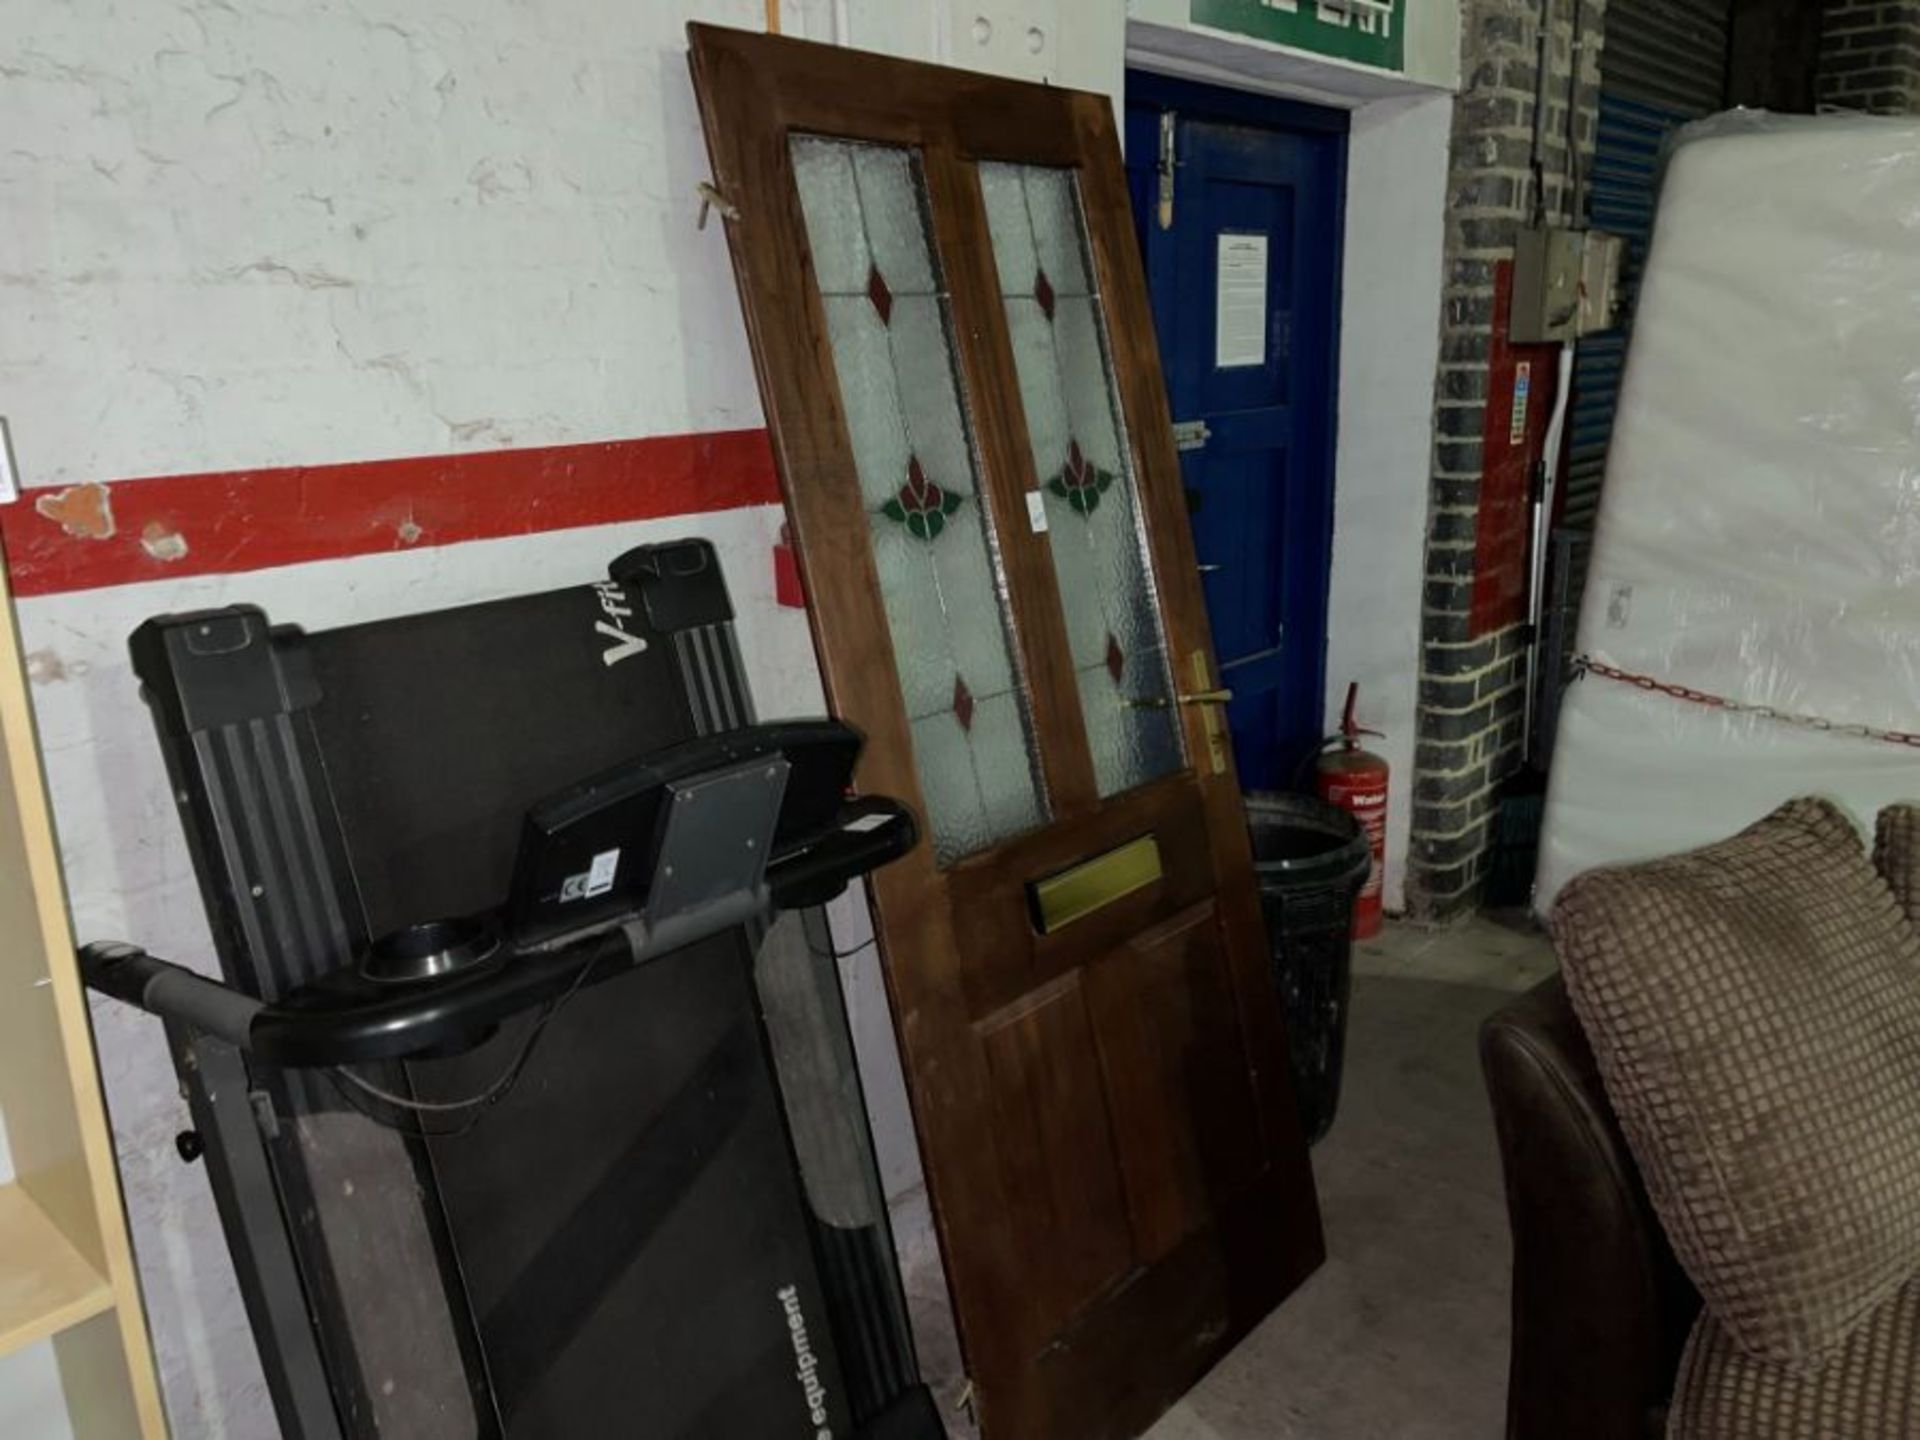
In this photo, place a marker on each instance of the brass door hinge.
(1168, 122)
(712, 199)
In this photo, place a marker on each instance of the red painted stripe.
(254, 519)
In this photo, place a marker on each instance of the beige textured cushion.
(1869, 1389)
(1754, 1007)
(1896, 855)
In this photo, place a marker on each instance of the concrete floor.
(1403, 1332)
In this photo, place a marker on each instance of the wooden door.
(951, 331)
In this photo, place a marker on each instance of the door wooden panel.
(1059, 1166)
(1170, 1051)
(1111, 1147)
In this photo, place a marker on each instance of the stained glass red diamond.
(1079, 475)
(918, 488)
(1043, 292)
(1116, 658)
(962, 703)
(879, 294)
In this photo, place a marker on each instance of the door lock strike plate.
(1191, 435)
(1212, 725)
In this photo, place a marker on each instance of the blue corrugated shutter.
(1663, 62)
(1620, 200)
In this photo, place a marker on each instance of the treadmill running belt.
(438, 731)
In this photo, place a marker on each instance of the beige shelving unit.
(66, 1267)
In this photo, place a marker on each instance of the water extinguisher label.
(1367, 803)
(1355, 781)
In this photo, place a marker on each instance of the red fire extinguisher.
(1356, 781)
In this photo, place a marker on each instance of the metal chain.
(1587, 665)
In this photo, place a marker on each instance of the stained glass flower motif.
(921, 505)
(1080, 482)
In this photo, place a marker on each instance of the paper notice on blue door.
(1240, 301)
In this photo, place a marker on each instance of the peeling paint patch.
(491, 179)
(83, 511)
(409, 532)
(163, 544)
(466, 431)
(49, 667)
(314, 277)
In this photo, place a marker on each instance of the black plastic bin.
(1312, 859)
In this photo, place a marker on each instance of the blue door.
(1237, 201)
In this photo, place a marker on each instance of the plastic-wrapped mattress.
(1759, 530)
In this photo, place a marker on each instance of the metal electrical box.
(1566, 284)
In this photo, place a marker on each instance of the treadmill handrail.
(406, 1019)
(326, 1024)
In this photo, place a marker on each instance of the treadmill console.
(591, 854)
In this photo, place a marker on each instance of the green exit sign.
(1370, 32)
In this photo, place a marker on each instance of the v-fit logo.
(807, 1368)
(613, 600)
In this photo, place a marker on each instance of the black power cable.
(831, 954)
(1536, 155)
(1576, 64)
(474, 1107)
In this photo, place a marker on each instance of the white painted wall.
(1392, 273)
(32, 1403)
(1389, 343)
(1433, 43)
(1074, 43)
(242, 236)
(250, 236)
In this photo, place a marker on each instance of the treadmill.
(526, 1091)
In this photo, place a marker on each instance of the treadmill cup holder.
(431, 950)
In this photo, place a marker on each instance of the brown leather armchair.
(1600, 1307)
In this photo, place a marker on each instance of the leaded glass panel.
(891, 328)
(1077, 431)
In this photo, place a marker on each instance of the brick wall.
(1870, 56)
(1472, 689)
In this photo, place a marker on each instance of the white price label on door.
(1036, 512)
